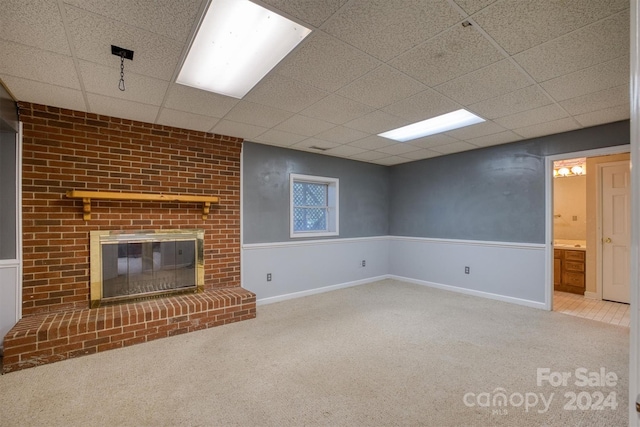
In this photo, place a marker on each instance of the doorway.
(575, 236)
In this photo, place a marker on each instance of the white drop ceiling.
(531, 68)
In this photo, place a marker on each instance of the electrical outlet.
(268, 277)
(364, 262)
(467, 270)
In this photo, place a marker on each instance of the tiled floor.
(603, 311)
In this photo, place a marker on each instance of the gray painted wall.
(492, 194)
(8, 196)
(364, 192)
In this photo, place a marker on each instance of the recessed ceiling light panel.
(446, 122)
(237, 44)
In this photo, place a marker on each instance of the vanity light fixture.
(570, 167)
(237, 44)
(446, 122)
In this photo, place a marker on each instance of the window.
(314, 206)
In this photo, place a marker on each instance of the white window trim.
(333, 201)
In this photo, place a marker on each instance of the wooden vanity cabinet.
(569, 271)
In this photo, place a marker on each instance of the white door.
(616, 232)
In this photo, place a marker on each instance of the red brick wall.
(65, 150)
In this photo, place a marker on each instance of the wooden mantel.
(86, 197)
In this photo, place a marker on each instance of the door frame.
(548, 183)
(634, 270)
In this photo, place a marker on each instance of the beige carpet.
(386, 353)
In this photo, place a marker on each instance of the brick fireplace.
(67, 150)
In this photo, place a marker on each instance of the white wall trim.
(279, 298)
(315, 242)
(509, 245)
(472, 292)
(344, 256)
(492, 244)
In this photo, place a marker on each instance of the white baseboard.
(503, 298)
(271, 300)
(592, 295)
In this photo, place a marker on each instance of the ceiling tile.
(376, 122)
(35, 23)
(598, 100)
(303, 125)
(474, 131)
(368, 156)
(239, 130)
(495, 139)
(399, 148)
(602, 76)
(420, 154)
(548, 128)
(433, 140)
(345, 151)
(277, 137)
(180, 119)
(588, 46)
(398, 25)
(390, 161)
(41, 93)
(531, 117)
(104, 81)
(511, 103)
(473, 6)
(196, 101)
(284, 93)
(613, 114)
(451, 54)
(327, 63)
(454, 147)
(381, 87)
(337, 109)
(168, 18)
(309, 11)
(422, 106)
(122, 108)
(92, 37)
(38, 65)
(519, 25)
(387, 54)
(372, 142)
(256, 114)
(488, 82)
(341, 135)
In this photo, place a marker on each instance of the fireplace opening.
(128, 266)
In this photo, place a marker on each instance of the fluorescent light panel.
(454, 120)
(237, 44)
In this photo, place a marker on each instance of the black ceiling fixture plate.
(122, 52)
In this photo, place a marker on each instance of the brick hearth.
(52, 337)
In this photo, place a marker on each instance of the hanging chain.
(121, 83)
